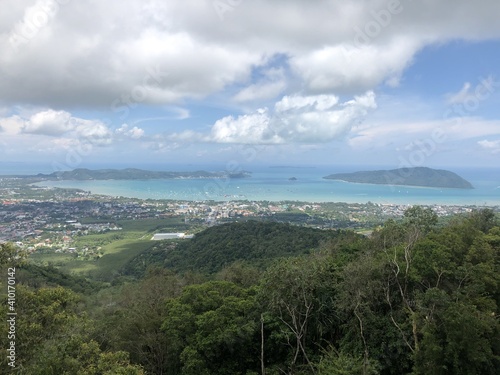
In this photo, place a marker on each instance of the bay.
(275, 184)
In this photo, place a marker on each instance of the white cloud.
(122, 56)
(94, 132)
(297, 119)
(49, 122)
(470, 96)
(273, 84)
(133, 133)
(349, 68)
(116, 57)
(253, 128)
(11, 125)
(61, 123)
(73, 56)
(260, 91)
(315, 102)
(402, 135)
(493, 146)
(60, 126)
(186, 136)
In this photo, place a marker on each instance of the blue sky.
(381, 83)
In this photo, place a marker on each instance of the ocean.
(290, 183)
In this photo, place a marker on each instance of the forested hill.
(135, 174)
(252, 241)
(417, 297)
(418, 176)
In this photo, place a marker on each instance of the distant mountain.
(135, 174)
(418, 176)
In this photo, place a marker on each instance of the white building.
(170, 236)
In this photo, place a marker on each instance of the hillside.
(135, 174)
(355, 306)
(219, 246)
(418, 176)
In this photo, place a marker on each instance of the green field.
(117, 248)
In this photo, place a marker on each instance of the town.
(55, 220)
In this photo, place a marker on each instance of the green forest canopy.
(414, 298)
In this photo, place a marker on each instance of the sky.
(399, 83)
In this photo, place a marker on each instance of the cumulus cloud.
(127, 55)
(49, 122)
(126, 51)
(92, 131)
(118, 55)
(349, 68)
(133, 133)
(318, 102)
(296, 119)
(61, 123)
(61, 127)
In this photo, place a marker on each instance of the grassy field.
(57, 260)
(117, 247)
(116, 255)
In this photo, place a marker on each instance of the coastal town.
(54, 220)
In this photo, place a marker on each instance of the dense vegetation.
(416, 176)
(414, 298)
(251, 241)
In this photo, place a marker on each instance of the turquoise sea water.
(273, 184)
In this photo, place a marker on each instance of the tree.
(213, 328)
(422, 218)
(483, 219)
(240, 274)
(10, 256)
(340, 363)
(75, 355)
(299, 294)
(131, 320)
(456, 284)
(52, 337)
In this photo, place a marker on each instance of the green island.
(417, 176)
(110, 285)
(134, 174)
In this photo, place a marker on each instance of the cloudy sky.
(393, 83)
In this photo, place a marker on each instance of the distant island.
(292, 166)
(135, 174)
(418, 176)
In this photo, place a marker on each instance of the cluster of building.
(54, 222)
